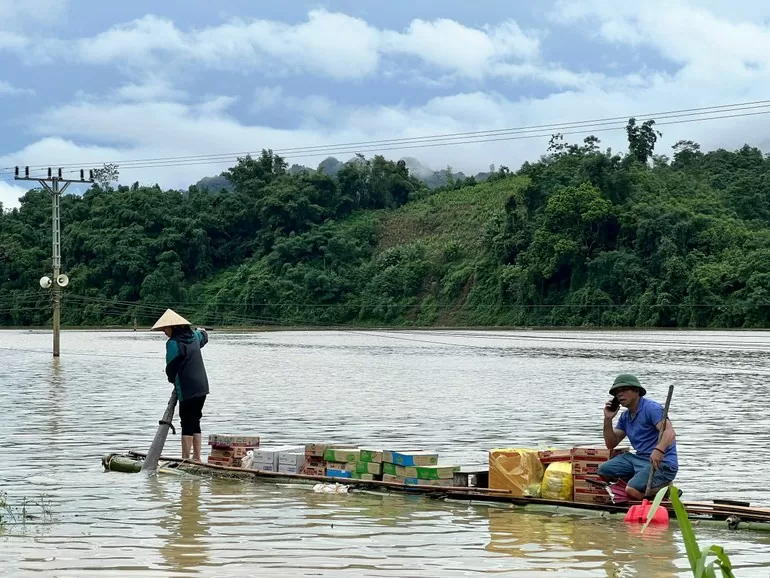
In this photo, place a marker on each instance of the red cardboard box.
(586, 492)
(550, 456)
(598, 454)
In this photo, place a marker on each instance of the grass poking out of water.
(36, 511)
(698, 557)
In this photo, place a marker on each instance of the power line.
(474, 137)
(572, 124)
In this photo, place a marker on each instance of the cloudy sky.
(87, 81)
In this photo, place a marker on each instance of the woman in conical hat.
(185, 369)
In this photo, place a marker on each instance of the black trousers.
(190, 413)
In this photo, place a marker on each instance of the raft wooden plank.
(727, 506)
(456, 492)
(464, 492)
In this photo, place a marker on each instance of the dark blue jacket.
(184, 363)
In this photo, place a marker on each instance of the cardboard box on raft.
(549, 456)
(237, 452)
(521, 470)
(426, 472)
(388, 455)
(293, 458)
(291, 462)
(342, 455)
(583, 491)
(230, 440)
(515, 469)
(314, 462)
(342, 466)
(226, 457)
(595, 454)
(267, 459)
(315, 450)
(229, 462)
(369, 468)
(366, 477)
(419, 458)
(586, 461)
(318, 450)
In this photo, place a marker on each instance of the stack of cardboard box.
(341, 462)
(270, 459)
(314, 460)
(416, 467)
(369, 465)
(585, 466)
(291, 461)
(229, 450)
(522, 470)
(389, 473)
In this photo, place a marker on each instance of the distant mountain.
(437, 178)
(331, 166)
(214, 184)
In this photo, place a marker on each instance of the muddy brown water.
(458, 392)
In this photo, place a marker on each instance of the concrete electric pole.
(52, 183)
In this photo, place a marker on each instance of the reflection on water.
(185, 525)
(602, 547)
(459, 393)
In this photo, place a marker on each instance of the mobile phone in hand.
(615, 403)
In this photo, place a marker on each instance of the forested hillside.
(584, 236)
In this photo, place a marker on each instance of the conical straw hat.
(169, 319)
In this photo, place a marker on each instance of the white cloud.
(12, 41)
(150, 119)
(10, 90)
(151, 89)
(316, 45)
(471, 52)
(267, 97)
(9, 195)
(135, 42)
(336, 45)
(13, 13)
(311, 107)
(695, 37)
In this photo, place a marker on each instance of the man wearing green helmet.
(641, 422)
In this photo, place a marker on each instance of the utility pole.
(52, 184)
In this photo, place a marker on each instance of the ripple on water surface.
(457, 392)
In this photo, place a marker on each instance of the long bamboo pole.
(153, 455)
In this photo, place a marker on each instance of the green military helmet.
(627, 380)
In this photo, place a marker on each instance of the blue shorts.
(635, 471)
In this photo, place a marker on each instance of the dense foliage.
(584, 236)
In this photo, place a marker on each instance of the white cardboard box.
(270, 455)
(291, 458)
(263, 466)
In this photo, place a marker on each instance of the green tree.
(641, 139)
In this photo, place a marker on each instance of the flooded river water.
(458, 392)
